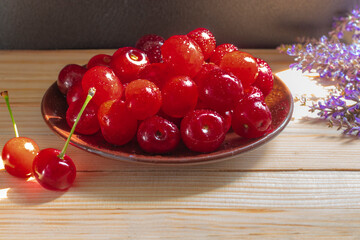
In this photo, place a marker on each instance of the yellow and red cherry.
(52, 168)
(18, 153)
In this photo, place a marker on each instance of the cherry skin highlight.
(158, 135)
(75, 93)
(203, 130)
(52, 172)
(18, 154)
(70, 75)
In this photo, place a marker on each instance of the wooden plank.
(189, 189)
(180, 224)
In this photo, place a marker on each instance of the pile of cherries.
(161, 92)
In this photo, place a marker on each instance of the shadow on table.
(161, 183)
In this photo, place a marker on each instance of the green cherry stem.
(6, 97)
(91, 93)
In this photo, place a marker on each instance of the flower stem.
(91, 93)
(6, 97)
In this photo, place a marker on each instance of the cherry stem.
(6, 97)
(91, 93)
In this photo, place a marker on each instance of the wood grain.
(304, 184)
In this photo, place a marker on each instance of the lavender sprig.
(337, 62)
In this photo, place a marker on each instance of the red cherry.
(19, 152)
(265, 79)
(157, 73)
(180, 95)
(18, 155)
(107, 84)
(53, 172)
(183, 55)
(242, 65)
(52, 168)
(221, 91)
(99, 60)
(70, 75)
(158, 135)
(128, 62)
(88, 123)
(151, 45)
(220, 51)
(251, 119)
(117, 124)
(143, 98)
(203, 130)
(205, 39)
(254, 93)
(75, 93)
(203, 73)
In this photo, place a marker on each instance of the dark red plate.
(54, 106)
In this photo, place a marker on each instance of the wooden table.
(304, 184)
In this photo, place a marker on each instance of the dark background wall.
(62, 24)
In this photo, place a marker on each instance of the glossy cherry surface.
(220, 51)
(203, 130)
(117, 124)
(52, 172)
(128, 62)
(265, 79)
(251, 119)
(157, 73)
(74, 93)
(183, 55)
(99, 60)
(205, 39)
(107, 84)
(143, 98)
(221, 91)
(18, 154)
(158, 135)
(151, 45)
(70, 75)
(180, 95)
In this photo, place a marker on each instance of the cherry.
(251, 119)
(242, 65)
(183, 55)
(203, 130)
(205, 39)
(221, 91)
(220, 51)
(143, 98)
(70, 75)
(75, 93)
(151, 45)
(203, 73)
(157, 73)
(88, 123)
(106, 83)
(254, 93)
(180, 95)
(52, 168)
(18, 153)
(99, 60)
(128, 62)
(158, 135)
(117, 124)
(265, 79)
